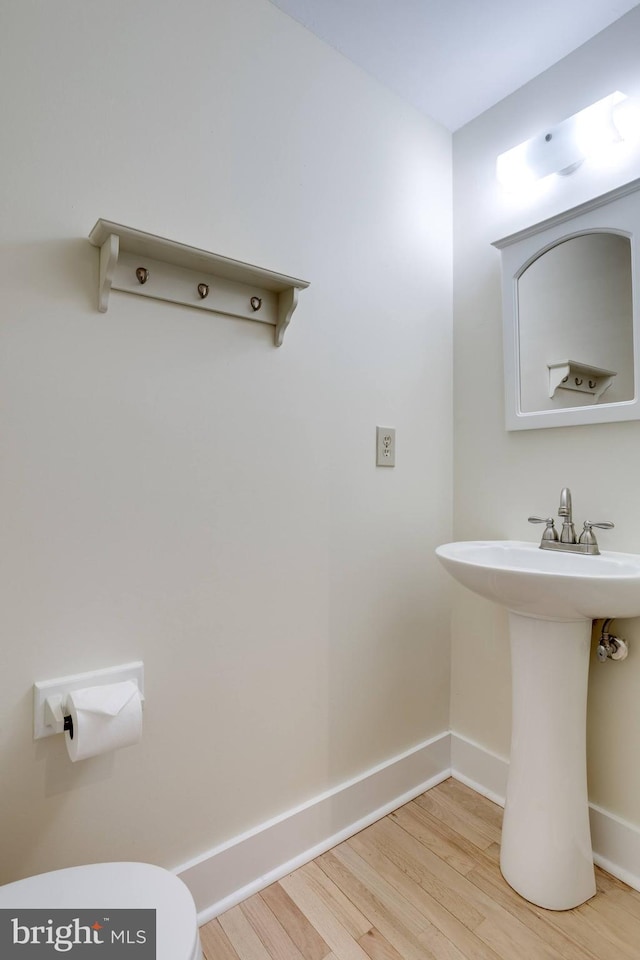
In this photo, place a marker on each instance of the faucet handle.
(587, 536)
(550, 532)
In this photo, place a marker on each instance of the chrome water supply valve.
(609, 646)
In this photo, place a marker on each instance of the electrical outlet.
(385, 447)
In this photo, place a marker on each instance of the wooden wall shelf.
(150, 266)
(575, 375)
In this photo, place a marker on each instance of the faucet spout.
(564, 510)
(568, 532)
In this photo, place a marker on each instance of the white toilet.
(117, 886)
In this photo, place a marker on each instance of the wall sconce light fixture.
(561, 149)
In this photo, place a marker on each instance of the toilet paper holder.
(50, 696)
(55, 718)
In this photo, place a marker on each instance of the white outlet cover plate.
(385, 446)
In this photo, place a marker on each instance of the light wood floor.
(422, 883)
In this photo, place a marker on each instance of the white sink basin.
(545, 583)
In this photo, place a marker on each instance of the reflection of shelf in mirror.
(185, 275)
(573, 375)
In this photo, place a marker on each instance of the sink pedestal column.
(546, 853)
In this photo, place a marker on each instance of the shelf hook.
(256, 303)
(203, 290)
(142, 274)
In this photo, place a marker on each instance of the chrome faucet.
(586, 543)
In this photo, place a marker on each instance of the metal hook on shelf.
(203, 290)
(142, 274)
(256, 303)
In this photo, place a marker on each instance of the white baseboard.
(483, 771)
(616, 845)
(239, 868)
(233, 871)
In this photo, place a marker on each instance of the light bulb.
(626, 119)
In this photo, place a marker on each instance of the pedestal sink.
(552, 597)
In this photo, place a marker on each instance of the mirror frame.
(617, 211)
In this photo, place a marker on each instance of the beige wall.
(173, 488)
(501, 478)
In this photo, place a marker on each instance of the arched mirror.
(571, 332)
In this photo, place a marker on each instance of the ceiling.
(453, 59)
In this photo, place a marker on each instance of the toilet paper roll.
(104, 718)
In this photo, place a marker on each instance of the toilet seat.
(117, 886)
